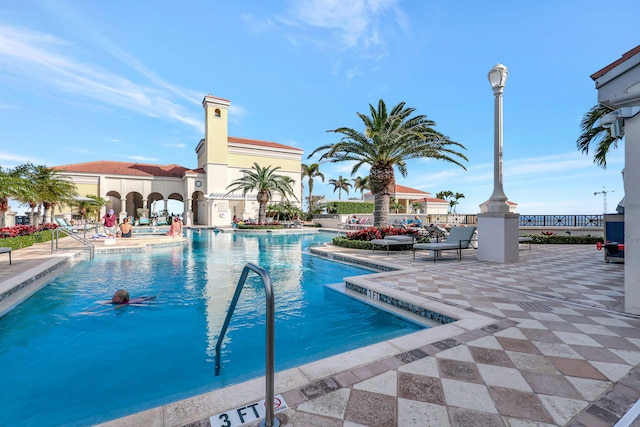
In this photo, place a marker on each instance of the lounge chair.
(143, 220)
(459, 238)
(162, 220)
(399, 240)
(362, 223)
(6, 250)
(525, 239)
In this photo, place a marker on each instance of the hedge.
(26, 241)
(355, 240)
(351, 207)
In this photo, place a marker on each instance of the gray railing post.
(270, 420)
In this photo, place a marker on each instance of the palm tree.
(311, 171)
(90, 206)
(592, 132)
(390, 139)
(12, 185)
(265, 181)
(445, 195)
(339, 185)
(416, 206)
(456, 197)
(361, 183)
(395, 205)
(50, 189)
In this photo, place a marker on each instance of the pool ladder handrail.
(55, 235)
(270, 420)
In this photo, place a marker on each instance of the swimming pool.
(67, 360)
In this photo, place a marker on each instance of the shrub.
(272, 226)
(361, 239)
(25, 241)
(564, 240)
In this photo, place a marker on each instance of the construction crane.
(604, 197)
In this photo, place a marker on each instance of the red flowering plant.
(24, 230)
(370, 233)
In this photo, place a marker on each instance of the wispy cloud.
(141, 158)
(10, 160)
(46, 61)
(351, 23)
(358, 28)
(179, 145)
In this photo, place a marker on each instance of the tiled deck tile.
(551, 384)
(588, 388)
(491, 356)
(599, 354)
(615, 342)
(521, 346)
(420, 388)
(613, 371)
(616, 402)
(421, 414)
(299, 418)
(556, 350)
(332, 404)
(532, 362)
(471, 418)
(519, 404)
(503, 377)
(577, 339)
(459, 370)
(562, 409)
(371, 409)
(543, 336)
(468, 395)
(576, 368)
(427, 367)
(386, 383)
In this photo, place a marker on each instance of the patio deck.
(542, 342)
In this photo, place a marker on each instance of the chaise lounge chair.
(399, 240)
(6, 250)
(459, 238)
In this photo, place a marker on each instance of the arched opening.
(217, 112)
(113, 201)
(197, 201)
(134, 202)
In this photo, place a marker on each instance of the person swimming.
(121, 297)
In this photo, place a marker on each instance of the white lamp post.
(497, 77)
(497, 227)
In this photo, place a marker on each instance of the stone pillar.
(632, 215)
(498, 237)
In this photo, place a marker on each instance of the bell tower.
(212, 151)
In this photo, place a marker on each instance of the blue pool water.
(65, 359)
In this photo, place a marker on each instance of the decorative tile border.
(403, 305)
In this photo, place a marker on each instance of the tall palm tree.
(592, 133)
(456, 197)
(340, 184)
(390, 139)
(311, 171)
(90, 206)
(51, 189)
(265, 181)
(12, 185)
(361, 183)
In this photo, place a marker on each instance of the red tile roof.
(403, 189)
(261, 143)
(431, 200)
(625, 57)
(127, 168)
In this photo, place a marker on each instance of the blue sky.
(118, 80)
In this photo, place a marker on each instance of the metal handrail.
(270, 420)
(55, 233)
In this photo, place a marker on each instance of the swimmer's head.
(120, 297)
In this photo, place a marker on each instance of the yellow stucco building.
(141, 189)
